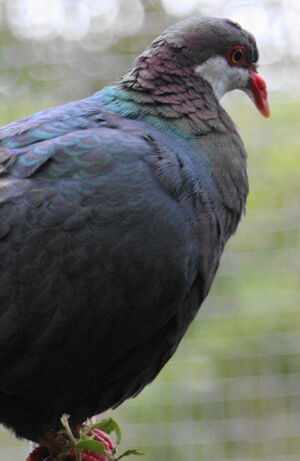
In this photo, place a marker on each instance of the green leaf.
(130, 452)
(108, 425)
(83, 436)
(92, 445)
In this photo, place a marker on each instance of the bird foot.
(50, 446)
(55, 446)
(39, 454)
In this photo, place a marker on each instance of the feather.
(115, 210)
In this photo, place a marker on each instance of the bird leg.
(54, 446)
(50, 445)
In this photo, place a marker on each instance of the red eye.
(238, 55)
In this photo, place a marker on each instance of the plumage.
(115, 210)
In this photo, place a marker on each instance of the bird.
(114, 213)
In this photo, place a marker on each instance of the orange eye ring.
(238, 56)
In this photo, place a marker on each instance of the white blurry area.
(67, 32)
(232, 392)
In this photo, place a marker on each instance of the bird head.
(220, 52)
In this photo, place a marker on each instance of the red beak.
(257, 90)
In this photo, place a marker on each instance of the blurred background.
(232, 392)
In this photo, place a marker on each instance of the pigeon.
(115, 210)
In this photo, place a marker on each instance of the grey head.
(217, 50)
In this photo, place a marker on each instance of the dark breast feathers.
(110, 236)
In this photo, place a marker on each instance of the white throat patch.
(222, 76)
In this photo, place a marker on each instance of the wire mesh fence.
(232, 391)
